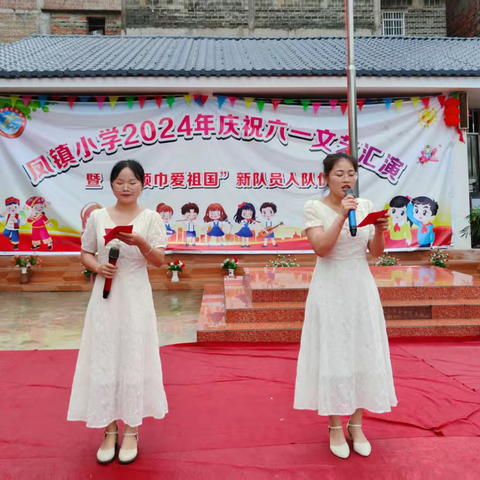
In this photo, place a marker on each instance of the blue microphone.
(352, 218)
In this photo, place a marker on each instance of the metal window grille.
(393, 23)
(396, 3)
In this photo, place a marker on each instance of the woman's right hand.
(107, 270)
(348, 203)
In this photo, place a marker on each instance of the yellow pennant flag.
(415, 101)
(188, 99)
(398, 104)
(113, 101)
(248, 101)
(14, 99)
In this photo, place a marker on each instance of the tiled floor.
(54, 320)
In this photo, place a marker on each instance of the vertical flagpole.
(351, 87)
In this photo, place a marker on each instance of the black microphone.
(352, 218)
(112, 260)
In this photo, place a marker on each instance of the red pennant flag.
(158, 99)
(203, 99)
(26, 100)
(426, 101)
(316, 106)
(343, 106)
(141, 101)
(196, 96)
(100, 99)
(361, 103)
(57, 98)
(442, 99)
(71, 101)
(276, 102)
(232, 100)
(333, 103)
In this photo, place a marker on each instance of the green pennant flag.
(289, 101)
(260, 104)
(305, 103)
(130, 101)
(170, 101)
(455, 95)
(14, 99)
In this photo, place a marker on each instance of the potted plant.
(439, 258)
(25, 262)
(175, 267)
(283, 261)
(473, 227)
(231, 264)
(387, 261)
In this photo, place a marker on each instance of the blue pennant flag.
(388, 102)
(84, 99)
(42, 99)
(221, 101)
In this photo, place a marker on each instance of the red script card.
(111, 233)
(371, 218)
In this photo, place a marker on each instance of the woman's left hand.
(381, 225)
(132, 239)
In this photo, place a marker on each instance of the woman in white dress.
(344, 362)
(118, 374)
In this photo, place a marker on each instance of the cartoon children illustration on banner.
(190, 213)
(13, 219)
(399, 224)
(215, 215)
(39, 221)
(268, 210)
(245, 216)
(166, 212)
(422, 212)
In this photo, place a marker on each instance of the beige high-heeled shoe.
(104, 457)
(341, 451)
(128, 456)
(364, 448)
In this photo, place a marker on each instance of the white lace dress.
(344, 359)
(118, 374)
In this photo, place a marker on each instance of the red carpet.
(231, 416)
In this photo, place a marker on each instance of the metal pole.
(351, 85)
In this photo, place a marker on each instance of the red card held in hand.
(111, 233)
(371, 218)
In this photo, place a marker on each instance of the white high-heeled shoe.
(341, 451)
(104, 457)
(128, 456)
(364, 449)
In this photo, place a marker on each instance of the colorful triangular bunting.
(26, 100)
(113, 101)
(415, 101)
(343, 106)
(14, 99)
(442, 99)
(361, 103)
(305, 102)
(100, 99)
(232, 100)
(42, 99)
(57, 98)
(454, 95)
(130, 99)
(333, 104)
(426, 101)
(141, 101)
(84, 99)
(158, 100)
(170, 101)
(71, 100)
(276, 102)
(316, 106)
(188, 99)
(203, 99)
(221, 101)
(388, 102)
(289, 101)
(248, 101)
(398, 104)
(260, 104)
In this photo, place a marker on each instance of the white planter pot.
(231, 272)
(175, 276)
(24, 270)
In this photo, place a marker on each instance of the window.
(96, 26)
(393, 23)
(396, 3)
(433, 3)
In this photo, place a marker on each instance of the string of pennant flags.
(201, 100)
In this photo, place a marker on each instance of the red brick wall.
(463, 18)
(15, 26)
(75, 5)
(77, 24)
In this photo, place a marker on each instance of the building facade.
(463, 18)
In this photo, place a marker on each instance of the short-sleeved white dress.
(119, 374)
(344, 359)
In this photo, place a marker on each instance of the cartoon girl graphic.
(166, 212)
(245, 216)
(39, 222)
(87, 211)
(399, 224)
(215, 214)
(190, 212)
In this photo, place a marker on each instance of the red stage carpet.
(231, 417)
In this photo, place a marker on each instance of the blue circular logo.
(12, 122)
